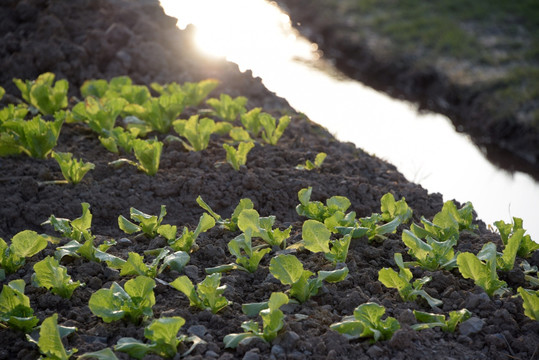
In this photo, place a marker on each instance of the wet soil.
(105, 38)
(478, 92)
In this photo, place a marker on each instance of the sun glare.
(242, 31)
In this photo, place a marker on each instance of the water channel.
(257, 35)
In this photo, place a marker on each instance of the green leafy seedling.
(35, 138)
(194, 93)
(330, 214)
(147, 224)
(15, 309)
(117, 87)
(134, 301)
(50, 337)
(72, 169)
(148, 154)
(99, 114)
(43, 95)
(317, 164)
(11, 112)
(238, 157)
(227, 108)
(48, 273)
(251, 121)
(507, 231)
(289, 271)
(24, 244)
(317, 238)
(263, 227)
(119, 138)
(206, 295)
(529, 271)
(156, 114)
(247, 256)
(482, 269)
(530, 300)
(401, 281)
(89, 251)
(271, 131)
(187, 241)
(428, 320)
(134, 265)
(163, 339)
(228, 224)
(367, 322)
(196, 131)
(272, 323)
(2, 92)
(430, 254)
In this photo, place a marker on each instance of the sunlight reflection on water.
(256, 35)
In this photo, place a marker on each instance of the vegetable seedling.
(194, 93)
(196, 131)
(263, 227)
(35, 138)
(317, 164)
(134, 265)
(316, 238)
(507, 231)
(401, 281)
(48, 273)
(148, 154)
(272, 323)
(430, 255)
(247, 256)
(99, 114)
(289, 271)
(147, 224)
(50, 337)
(72, 169)
(228, 224)
(24, 244)
(271, 131)
(482, 269)
(15, 309)
(187, 241)
(429, 320)
(367, 322)
(206, 295)
(13, 112)
(163, 339)
(238, 157)
(530, 304)
(134, 301)
(42, 94)
(251, 121)
(155, 114)
(119, 138)
(227, 108)
(335, 209)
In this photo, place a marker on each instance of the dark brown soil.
(105, 38)
(475, 108)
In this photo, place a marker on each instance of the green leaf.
(148, 154)
(238, 157)
(15, 307)
(271, 131)
(51, 275)
(316, 236)
(72, 169)
(27, 243)
(183, 284)
(286, 268)
(227, 108)
(103, 354)
(507, 261)
(50, 339)
(197, 132)
(135, 348)
(530, 300)
(233, 340)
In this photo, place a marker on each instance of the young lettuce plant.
(367, 322)
(187, 241)
(134, 265)
(163, 339)
(148, 154)
(147, 224)
(247, 256)
(228, 224)
(430, 255)
(134, 301)
(35, 138)
(15, 309)
(99, 114)
(309, 165)
(50, 337)
(482, 269)
(507, 231)
(251, 121)
(528, 271)
(289, 271)
(118, 138)
(72, 169)
(238, 157)
(401, 281)
(194, 93)
(227, 108)
(196, 131)
(428, 320)
(206, 295)
(43, 95)
(530, 304)
(331, 213)
(271, 132)
(262, 227)
(13, 112)
(316, 238)
(272, 322)
(48, 273)
(24, 244)
(118, 87)
(155, 114)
